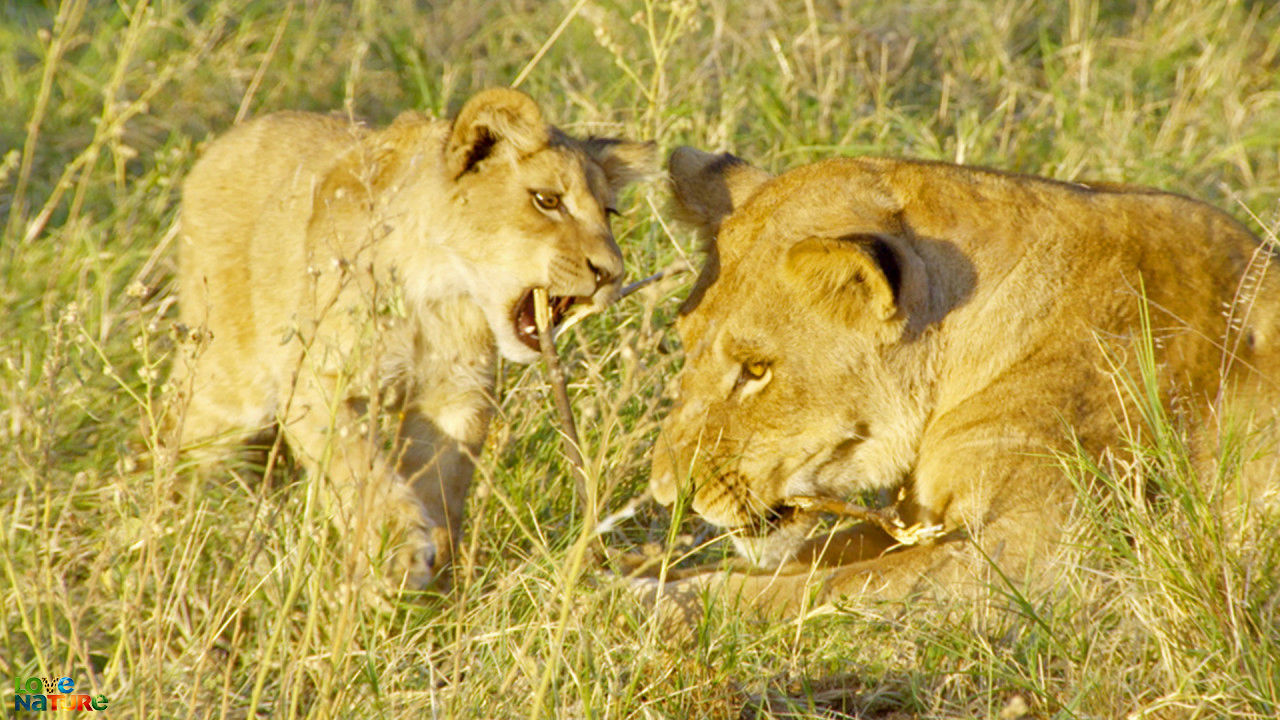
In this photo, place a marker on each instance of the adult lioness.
(937, 331)
(344, 276)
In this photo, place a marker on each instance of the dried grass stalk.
(560, 393)
(887, 519)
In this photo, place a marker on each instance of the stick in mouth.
(887, 519)
(527, 326)
(544, 312)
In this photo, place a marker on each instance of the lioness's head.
(790, 385)
(531, 209)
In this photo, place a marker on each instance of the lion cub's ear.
(624, 162)
(489, 121)
(866, 281)
(708, 187)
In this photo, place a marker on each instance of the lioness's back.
(1190, 260)
(1214, 304)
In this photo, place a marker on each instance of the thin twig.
(890, 523)
(555, 35)
(586, 490)
(888, 520)
(560, 392)
(559, 383)
(675, 268)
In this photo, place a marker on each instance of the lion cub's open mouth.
(524, 318)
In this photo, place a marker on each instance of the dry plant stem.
(672, 269)
(559, 391)
(578, 554)
(889, 523)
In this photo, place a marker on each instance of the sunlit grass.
(181, 596)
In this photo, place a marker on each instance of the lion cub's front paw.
(413, 563)
(422, 559)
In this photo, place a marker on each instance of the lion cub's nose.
(606, 269)
(602, 275)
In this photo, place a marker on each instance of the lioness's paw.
(674, 605)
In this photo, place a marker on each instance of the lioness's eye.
(546, 200)
(755, 370)
(753, 378)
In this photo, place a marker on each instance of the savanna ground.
(181, 596)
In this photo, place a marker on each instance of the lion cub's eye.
(548, 201)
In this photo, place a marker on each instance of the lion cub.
(343, 280)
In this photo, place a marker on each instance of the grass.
(181, 597)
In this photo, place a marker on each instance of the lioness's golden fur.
(345, 278)
(938, 332)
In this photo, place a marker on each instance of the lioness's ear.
(857, 278)
(488, 121)
(709, 187)
(623, 161)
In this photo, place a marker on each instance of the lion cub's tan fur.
(347, 279)
(933, 331)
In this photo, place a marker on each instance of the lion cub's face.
(546, 224)
(787, 387)
(534, 207)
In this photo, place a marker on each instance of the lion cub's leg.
(376, 512)
(438, 467)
